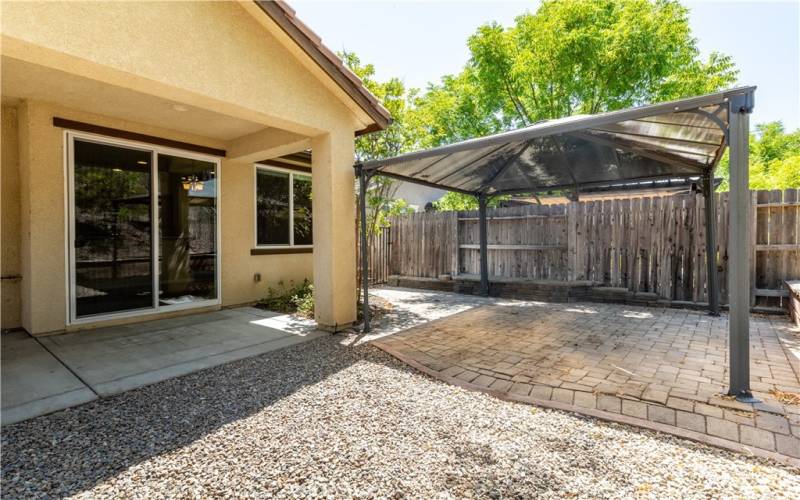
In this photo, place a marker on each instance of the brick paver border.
(600, 414)
(727, 424)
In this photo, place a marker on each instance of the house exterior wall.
(334, 207)
(10, 223)
(42, 233)
(238, 238)
(214, 55)
(217, 56)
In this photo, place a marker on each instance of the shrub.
(294, 298)
(303, 300)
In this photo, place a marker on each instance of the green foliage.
(570, 56)
(388, 208)
(291, 298)
(452, 111)
(398, 137)
(774, 159)
(304, 300)
(460, 201)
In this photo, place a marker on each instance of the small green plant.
(291, 298)
(304, 300)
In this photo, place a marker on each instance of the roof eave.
(284, 16)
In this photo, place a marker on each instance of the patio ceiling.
(678, 139)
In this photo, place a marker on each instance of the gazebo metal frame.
(673, 140)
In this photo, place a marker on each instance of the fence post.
(572, 239)
(455, 251)
(753, 238)
(712, 286)
(482, 202)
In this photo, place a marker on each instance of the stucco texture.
(10, 223)
(44, 219)
(213, 55)
(239, 86)
(238, 238)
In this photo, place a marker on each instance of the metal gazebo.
(672, 140)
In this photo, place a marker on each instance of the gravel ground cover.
(330, 418)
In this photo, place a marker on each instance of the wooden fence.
(652, 245)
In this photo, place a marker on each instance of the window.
(283, 208)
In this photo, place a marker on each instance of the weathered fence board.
(654, 245)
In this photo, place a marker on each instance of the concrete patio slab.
(663, 369)
(34, 382)
(117, 359)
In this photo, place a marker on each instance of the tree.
(397, 138)
(774, 159)
(569, 57)
(460, 201)
(452, 111)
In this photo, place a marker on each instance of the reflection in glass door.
(143, 235)
(187, 230)
(112, 222)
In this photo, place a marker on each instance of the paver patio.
(660, 368)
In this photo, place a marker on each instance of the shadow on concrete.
(71, 451)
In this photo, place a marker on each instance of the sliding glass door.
(143, 229)
(187, 217)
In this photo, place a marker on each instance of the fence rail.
(654, 245)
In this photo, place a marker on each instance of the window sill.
(280, 250)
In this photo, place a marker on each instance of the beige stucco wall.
(334, 229)
(44, 220)
(214, 55)
(221, 57)
(9, 222)
(42, 227)
(238, 237)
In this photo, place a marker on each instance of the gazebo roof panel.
(679, 138)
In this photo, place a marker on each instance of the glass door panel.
(113, 237)
(187, 230)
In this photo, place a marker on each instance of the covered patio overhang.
(683, 139)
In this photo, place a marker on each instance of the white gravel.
(327, 419)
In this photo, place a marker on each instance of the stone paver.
(690, 421)
(665, 366)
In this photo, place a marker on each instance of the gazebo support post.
(363, 183)
(739, 328)
(711, 245)
(482, 202)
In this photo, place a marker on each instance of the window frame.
(292, 174)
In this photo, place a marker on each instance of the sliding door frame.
(69, 241)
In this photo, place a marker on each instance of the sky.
(421, 41)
